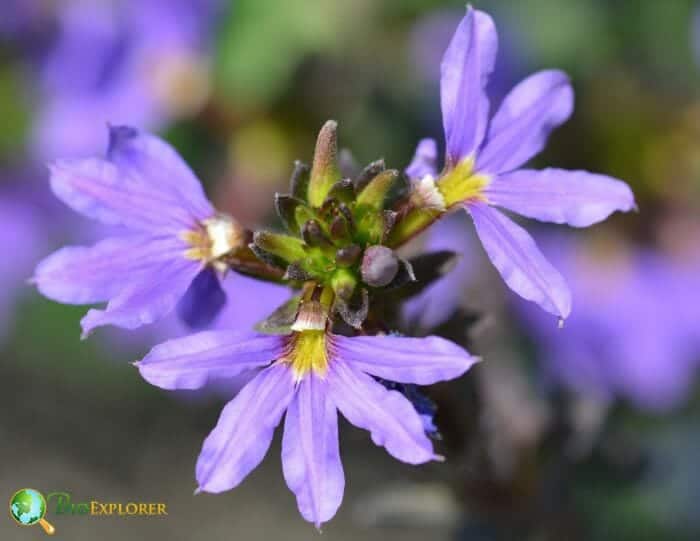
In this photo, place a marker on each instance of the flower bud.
(340, 229)
(324, 172)
(348, 256)
(313, 234)
(379, 266)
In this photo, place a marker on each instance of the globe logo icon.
(28, 507)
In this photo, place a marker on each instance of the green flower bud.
(324, 172)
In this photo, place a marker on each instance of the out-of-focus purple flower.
(22, 239)
(437, 302)
(482, 160)
(634, 333)
(311, 375)
(23, 18)
(137, 62)
(166, 234)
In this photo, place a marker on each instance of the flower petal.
(154, 162)
(88, 274)
(516, 256)
(577, 198)
(100, 190)
(203, 300)
(310, 454)
(387, 415)
(152, 297)
(243, 434)
(465, 69)
(189, 362)
(528, 114)
(407, 360)
(424, 160)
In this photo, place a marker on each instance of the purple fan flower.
(167, 236)
(310, 375)
(634, 333)
(137, 62)
(482, 160)
(22, 239)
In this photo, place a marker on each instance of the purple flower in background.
(310, 375)
(647, 351)
(138, 62)
(482, 160)
(167, 241)
(22, 17)
(437, 302)
(22, 239)
(431, 36)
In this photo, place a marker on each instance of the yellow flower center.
(461, 184)
(212, 239)
(307, 352)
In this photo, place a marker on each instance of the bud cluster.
(338, 231)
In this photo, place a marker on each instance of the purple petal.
(520, 128)
(100, 190)
(154, 162)
(190, 362)
(387, 415)
(407, 360)
(577, 198)
(88, 274)
(203, 300)
(152, 297)
(465, 69)
(243, 434)
(516, 256)
(310, 454)
(424, 161)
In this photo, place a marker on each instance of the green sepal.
(368, 173)
(375, 192)
(343, 283)
(343, 190)
(410, 224)
(299, 181)
(286, 206)
(289, 249)
(303, 214)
